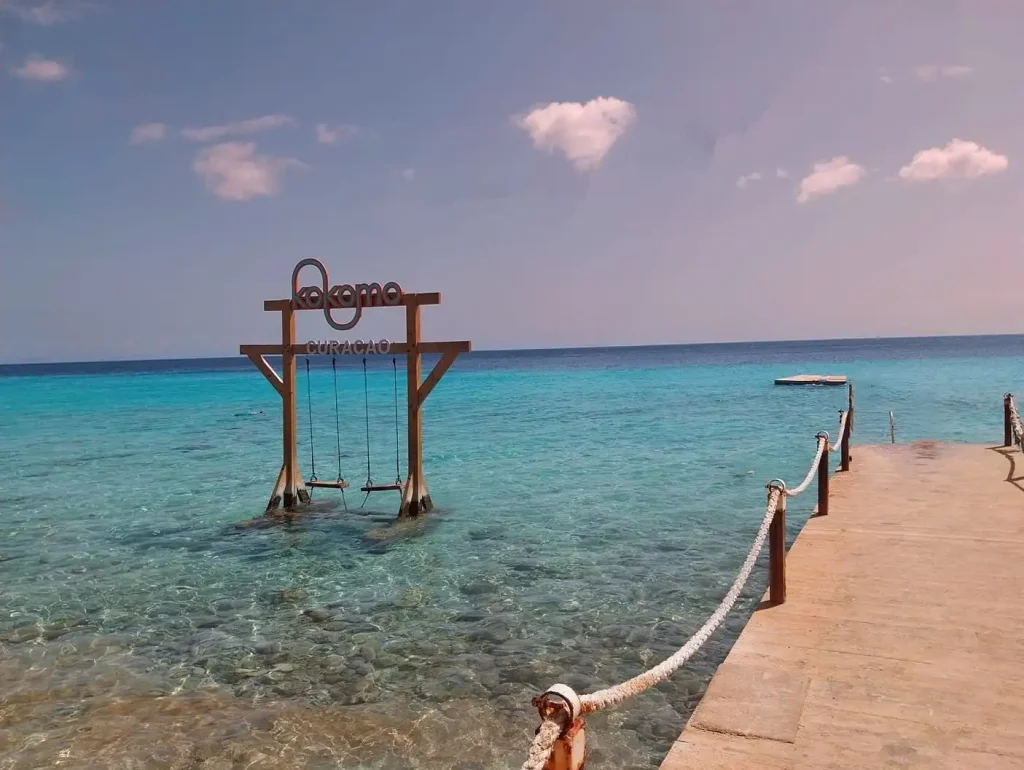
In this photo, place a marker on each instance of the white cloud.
(885, 78)
(252, 126)
(957, 160)
(409, 174)
(746, 179)
(829, 176)
(781, 173)
(583, 131)
(956, 71)
(42, 70)
(148, 133)
(42, 14)
(932, 72)
(234, 171)
(327, 134)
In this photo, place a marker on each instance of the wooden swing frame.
(290, 491)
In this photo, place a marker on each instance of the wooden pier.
(901, 639)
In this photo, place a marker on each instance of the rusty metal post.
(562, 704)
(844, 443)
(570, 751)
(777, 550)
(849, 425)
(823, 478)
(1007, 421)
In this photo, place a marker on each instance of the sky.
(584, 172)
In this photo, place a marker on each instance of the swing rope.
(309, 403)
(366, 402)
(337, 427)
(369, 486)
(398, 468)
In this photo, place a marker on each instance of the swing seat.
(381, 488)
(327, 484)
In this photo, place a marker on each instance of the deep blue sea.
(593, 507)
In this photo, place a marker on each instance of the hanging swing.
(369, 486)
(314, 482)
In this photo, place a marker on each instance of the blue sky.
(571, 173)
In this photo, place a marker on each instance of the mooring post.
(562, 704)
(849, 422)
(777, 549)
(892, 428)
(1007, 421)
(844, 443)
(570, 751)
(823, 464)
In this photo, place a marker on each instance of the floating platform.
(812, 379)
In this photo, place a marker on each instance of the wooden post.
(415, 497)
(777, 551)
(844, 446)
(1007, 421)
(823, 479)
(294, 491)
(892, 428)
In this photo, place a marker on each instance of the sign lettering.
(344, 296)
(344, 348)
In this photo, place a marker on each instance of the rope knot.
(778, 484)
(823, 434)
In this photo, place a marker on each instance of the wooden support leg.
(277, 496)
(415, 498)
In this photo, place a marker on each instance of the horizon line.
(545, 349)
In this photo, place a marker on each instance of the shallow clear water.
(593, 508)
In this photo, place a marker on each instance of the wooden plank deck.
(901, 642)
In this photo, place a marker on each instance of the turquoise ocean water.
(593, 507)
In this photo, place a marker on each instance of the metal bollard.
(844, 443)
(777, 547)
(1007, 420)
(823, 477)
(562, 704)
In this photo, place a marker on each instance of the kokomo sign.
(344, 296)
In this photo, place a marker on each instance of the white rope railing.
(557, 717)
(543, 743)
(841, 433)
(550, 729)
(822, 443)
(612, 696)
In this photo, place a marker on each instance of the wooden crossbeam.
(426, 298)
(397, 349)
